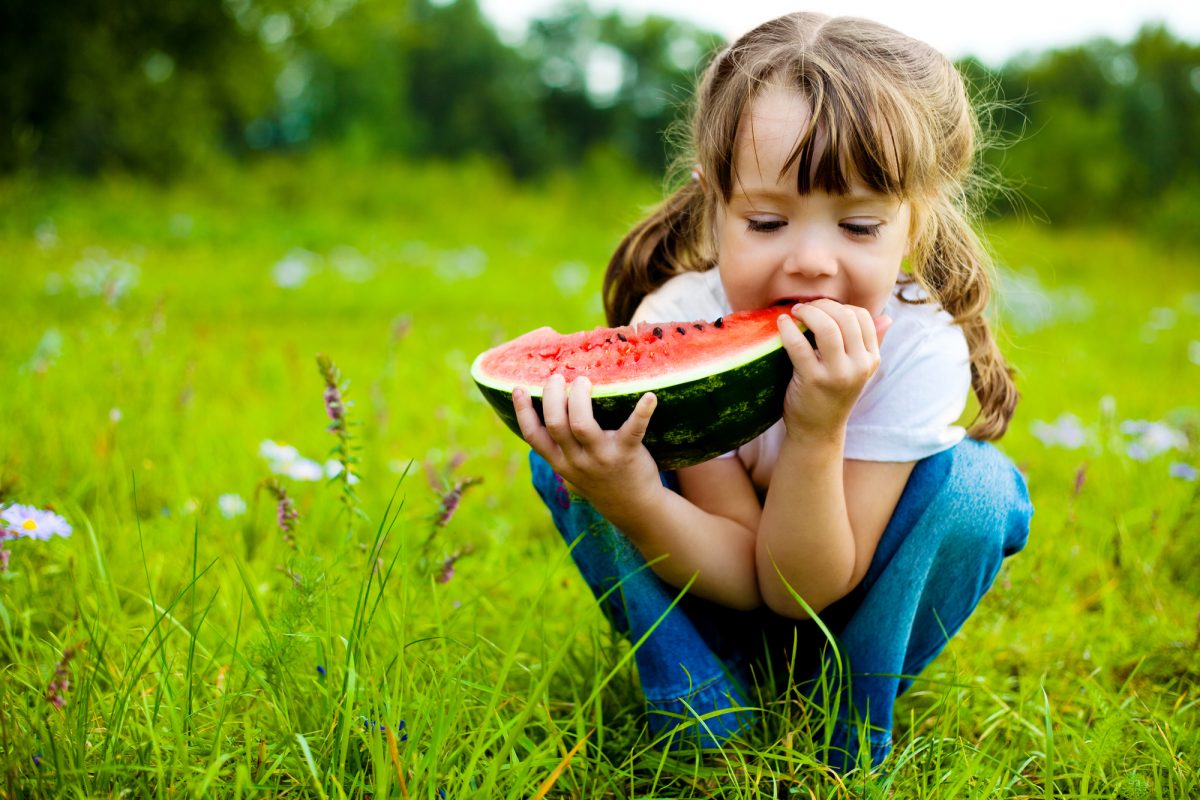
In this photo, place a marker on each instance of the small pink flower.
(333, 404)
(451, 499)
(448, 568)
(56, 690)
(447, 572)
(285, 511)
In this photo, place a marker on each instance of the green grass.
(131, 412)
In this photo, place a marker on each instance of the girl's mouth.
(791, 301)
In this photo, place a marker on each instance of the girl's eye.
(859, 229)
(764, 225)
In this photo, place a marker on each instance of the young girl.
(832, 163)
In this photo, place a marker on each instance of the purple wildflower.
(1066, 431)
(335, 406)
(286, 514)
(285, 511)
(5, 553)
(1183, 471)
(451, 499)
(447, 572)
(1080, 479)
(1152, 438)
(56, 690)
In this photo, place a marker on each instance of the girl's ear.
(698, 174)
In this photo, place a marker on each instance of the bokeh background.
(1102, 131)
(197, 198)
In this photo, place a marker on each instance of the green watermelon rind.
(697, 418)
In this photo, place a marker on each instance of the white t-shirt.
(907, 409)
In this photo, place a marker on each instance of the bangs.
(845, 144)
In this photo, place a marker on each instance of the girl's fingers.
(582, 423)
(534, 433)
(866, 327)
(882, 323)
(798, 348)
(849, 326)
(824, 327)
(554, 412)
(634, 429)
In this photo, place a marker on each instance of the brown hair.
(887, 110)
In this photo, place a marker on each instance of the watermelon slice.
(719, 383)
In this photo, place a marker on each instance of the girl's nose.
(810, 256)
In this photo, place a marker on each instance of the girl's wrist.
(624, 494)
(817, 436)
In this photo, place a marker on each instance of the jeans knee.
(968, 548)
(988, 498)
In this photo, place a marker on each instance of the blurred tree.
(1101, 131)
(605, 80)
(1097, 132)
(141, 84)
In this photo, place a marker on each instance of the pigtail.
(666, 243)
(953, 265)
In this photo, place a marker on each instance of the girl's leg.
(963, 511)
(688, 669)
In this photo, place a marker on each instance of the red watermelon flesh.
(617, 359)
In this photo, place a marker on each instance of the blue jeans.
(962, 512)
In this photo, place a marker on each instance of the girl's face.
(777, 244)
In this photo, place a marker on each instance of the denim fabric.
(962, 512)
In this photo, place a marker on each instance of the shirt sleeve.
(909, 408)
(683, 298)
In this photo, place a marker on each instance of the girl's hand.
(827, 381)
(603, 466)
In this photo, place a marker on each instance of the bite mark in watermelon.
(719, 383)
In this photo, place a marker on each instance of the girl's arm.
(683, 542)
(816, 553)
(824, 515)
(819, 534)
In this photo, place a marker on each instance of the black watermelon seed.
(658, 332)
(621, 336)
(719, 322)
(681, 330)
(698, 326)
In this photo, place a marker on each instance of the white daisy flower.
(231, 505)
(33, 523)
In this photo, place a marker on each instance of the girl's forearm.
(684, 543)
(805, 540)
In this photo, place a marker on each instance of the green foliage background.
(1102, 132)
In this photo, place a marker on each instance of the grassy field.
(158, 340)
